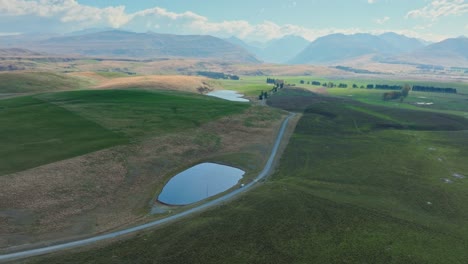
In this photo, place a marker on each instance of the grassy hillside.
(137, 112)
(28, 82)
(448, 103)
(49, 127)
(356, 184)
(35, 132)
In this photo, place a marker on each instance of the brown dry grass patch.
(96, 78)
(115, 187)
(168, 82)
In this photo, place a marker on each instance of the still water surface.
(228, 95)
(199, 182)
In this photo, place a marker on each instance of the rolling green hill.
(41, 129)
(35, 132)
(29, 82)
(123, 44)
(347, 190)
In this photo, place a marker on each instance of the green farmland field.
(357, 183)
(28, 82)
(44, 128)
(35, 132)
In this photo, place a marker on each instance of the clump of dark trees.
(218, 75)
(271, 80)
(278, 84)
(344, 68)
(416, 88)
(11, 67)
(428, 67)
(395, 95)
(431, 89)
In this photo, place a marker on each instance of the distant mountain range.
(450, 52)
(388, 47)
(339, 47)
(277, 50)
(123, 44)
(328, 50)
(12, 52)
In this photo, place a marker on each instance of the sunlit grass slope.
(31, 82)
(34, 132)
(356, 184)
(44, 128)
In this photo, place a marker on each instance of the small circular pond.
(228, 95)
(199, 182)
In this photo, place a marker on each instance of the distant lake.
(228, 95)
(199, 182)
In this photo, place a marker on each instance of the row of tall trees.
(278, 84)
(431, 89)
(418, 88)
(218, 75)
(395, 95)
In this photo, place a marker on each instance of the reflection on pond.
(228, 95)
(199, 182)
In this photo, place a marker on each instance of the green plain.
(44, 128)
(358, 183)
(29, 82)
(34, 132)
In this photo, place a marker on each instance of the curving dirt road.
(91, 240)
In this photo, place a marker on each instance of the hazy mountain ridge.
(339, 47)
(123, 44)
(402, 43)
(334, 49)
(11, 52)
(449, 52)
(457, 46)
(275, 51)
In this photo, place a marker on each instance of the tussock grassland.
(33, 82)
(184, 83)
(138, 139)
(171, 82)
(356, 184)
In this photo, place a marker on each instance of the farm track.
(92, 240)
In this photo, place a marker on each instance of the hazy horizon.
(258, 21)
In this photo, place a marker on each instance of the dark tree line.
(384, 87)
(402, 94)
(278, 84)
(428, 67)
(416, 88)
(218, 75)
(263, 95)
(271, 80)
(388, 87)
(419, 88)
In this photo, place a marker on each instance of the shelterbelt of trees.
(416, 88)
(218, 75)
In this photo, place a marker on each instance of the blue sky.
(254, 20)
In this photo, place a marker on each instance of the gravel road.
(88, 241)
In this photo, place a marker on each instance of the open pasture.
(357, 183)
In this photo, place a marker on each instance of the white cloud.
(423, 27)
(66, 11)
(440, 8)
(383, 20)
(69, 15)
(371, 1)
(3, 34)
